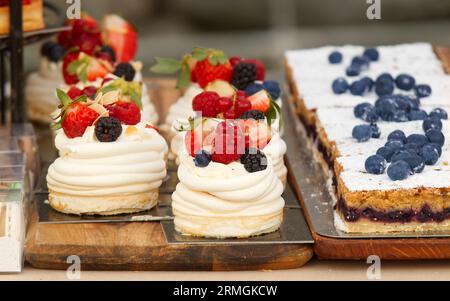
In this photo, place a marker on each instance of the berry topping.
(435, 136)
(121, 36)
(353, 70)
(418, 139)
(397, 135)
(361, 61)
(254, 160)
(253, 114)
(372, 54)
(70, 78)
(439, 113)
(202, 158)
(108, 129)
(360, 109)
(206, 103)
(430, 154)
(422, 90)
(84, 35)
(90, 91)
(395, 145)
(126, 112)
(273, 88)
(340, 85)
(405, 82)
(335, 57)
(109, 51)
(125, 70)
(358, 87)
(260, 68)
(234, 60)
(53, 51)
(376, 132)
(362, 132)
(243, 75)
(260, 101)
(415, 162)
(253, 88)
(432, 123)
(386, 153)
(224, 104)
(417, 115)
(229, 143)
(399, 170)
(375, 164)
(82, 67)
(242, 105)
(75, 115)
(384, 88)
(74, 92)
(385, 78)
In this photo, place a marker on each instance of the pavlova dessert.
(110, 162)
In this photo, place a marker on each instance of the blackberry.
(253, 114)
(254, 160)
(46, 47)
(243, 75)
(109, 50)
(53, 51)
(125, 70)
(108, 129)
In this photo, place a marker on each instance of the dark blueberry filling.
(398, 216)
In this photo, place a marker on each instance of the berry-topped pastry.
(85, 56)
(228, 187)
(207, 69)
(110, 161)
(32, 15)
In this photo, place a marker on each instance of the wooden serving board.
(411, 248)
(143, 246)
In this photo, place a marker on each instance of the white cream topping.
(134, 163)
(313, 75)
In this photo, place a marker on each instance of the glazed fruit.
(108, 129)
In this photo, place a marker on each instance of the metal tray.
(313, 183)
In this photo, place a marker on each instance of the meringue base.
(107, 205)
(227, 227)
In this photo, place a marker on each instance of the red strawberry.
(260, 101)
(121, 36)
(127, 112)
(205, 72)
(193, 142)
(229, 143)
(257, 134)
(77, 117)
(260, 68)
(97, 69)
(74, 92)
(70, 79)
(207, 103)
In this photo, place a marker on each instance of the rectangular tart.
(367, 203)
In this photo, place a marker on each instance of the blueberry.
(372, 54)
(368, 82)
(395, 145)
(414, 102)
(386, 107)
(361, 61)
(273, 88)
(417, 115)
(397, 135)
(353, 70)
(384, 88)
(361, 108)
(412, 148)
(253, 88)
(430, 154)
(402, 102)
(370, 115)
(437, 147)
(398, 171)
(400, 155)
(418, 139)
(339, 85)
(375, 164)
(362, 132)
(435, 136)
(399, 116)
(422, 90)
(385, 78)
(202, 159)
(57, 53)
(386, 153)
(358, 87)
(335, 57)
(439, 113)
(415, 162)
(432, 123)
(376, 132)
(46, 47)
(405, 82)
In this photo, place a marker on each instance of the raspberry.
(254, 160)
(242, 106)
(207, 103)
(234, 60)
(69, 78)
(108, 129)
(229, 143)
(224, 104)
(74, 92)
(90, 91)
(243, 75)
(126, 112)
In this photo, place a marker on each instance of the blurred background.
(264, 29)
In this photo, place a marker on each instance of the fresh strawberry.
(127, 112)
(257, 133)
(97, 69)
(74, 92)
(229, 143)
(193, 142)
(77, 118)
(260, 101)
(206, 103)
(260, 68)
(69, 78)
(205, 72)
(121, 36)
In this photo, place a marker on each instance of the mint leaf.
(213, 60)
(136, 98)
(72, 69)
(222, 59)
(185, 77)
(63, 97)
(199, 54)
(166, 66)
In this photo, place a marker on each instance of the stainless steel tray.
(312, 182)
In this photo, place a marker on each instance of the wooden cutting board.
(142, 245)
